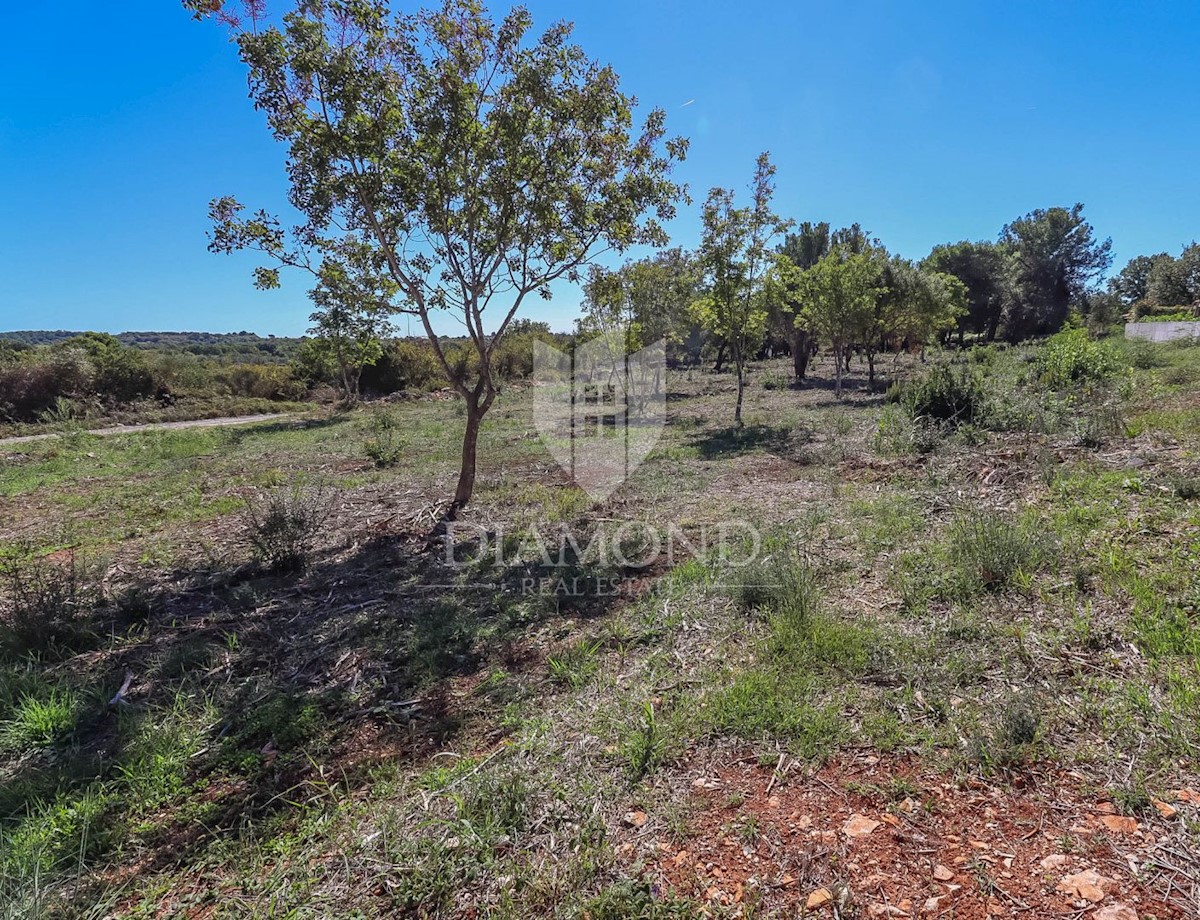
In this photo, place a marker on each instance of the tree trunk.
(741, 387)
(800, 355)
(837, 374)
(871, 371)
(720, 359)
(992, 326)
(466, 471)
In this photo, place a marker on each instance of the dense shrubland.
(94, 375)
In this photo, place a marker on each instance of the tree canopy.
(447, 162)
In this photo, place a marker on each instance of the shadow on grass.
(251, 695)
(784, 441)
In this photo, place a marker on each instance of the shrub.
(282, 526)
(404, 365)
(384, 446)
(29, 388)
(773, 380)
(1072, 356)
(944, 395)
(263, 381)
(48, 604)
(982, 354)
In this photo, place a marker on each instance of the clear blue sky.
(927, 122)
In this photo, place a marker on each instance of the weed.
(992, 552)
(494, 803)
(643, 749)
(1186, 488)
(1015, 728)
(282, 526)
(1071, 356)
(1099, 425)
(38, 721)
(384, 445)
(576, 664)
(773, 380)
(1133, 797)
(637, 900)
(780, 585)
(951, 397)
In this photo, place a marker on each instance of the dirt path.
(158, 426)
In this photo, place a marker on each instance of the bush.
(1071, 356)
(282, 526)
(944, 395)
(384, 446)
(404, 365)
(29, 388)
(263, 381)
(121, 373)
(46, 606)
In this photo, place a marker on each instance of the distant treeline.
(231, 345)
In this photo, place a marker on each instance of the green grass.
(39, 721)
(378, 734)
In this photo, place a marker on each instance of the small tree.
(349, 340)
(734, 260)
(441, 151)
(650, 297)
(840, 294)
(800, 251)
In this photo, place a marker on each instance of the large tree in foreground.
(448, 163)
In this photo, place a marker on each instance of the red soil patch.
(831, 844)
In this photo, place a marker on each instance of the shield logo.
(599, 409)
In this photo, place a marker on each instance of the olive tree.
(449, 163)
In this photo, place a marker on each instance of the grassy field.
(239, 675)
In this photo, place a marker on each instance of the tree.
(982, 268)
(800, 251)
(840, 294)
(734, 259)
(1054, 258)
(650, 297)
(442, 151)
(1167, 283)
(347, 338)
(1132, 283)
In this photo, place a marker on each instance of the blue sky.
(926, 122)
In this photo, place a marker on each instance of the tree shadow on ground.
(384, 650)
(780, 440)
